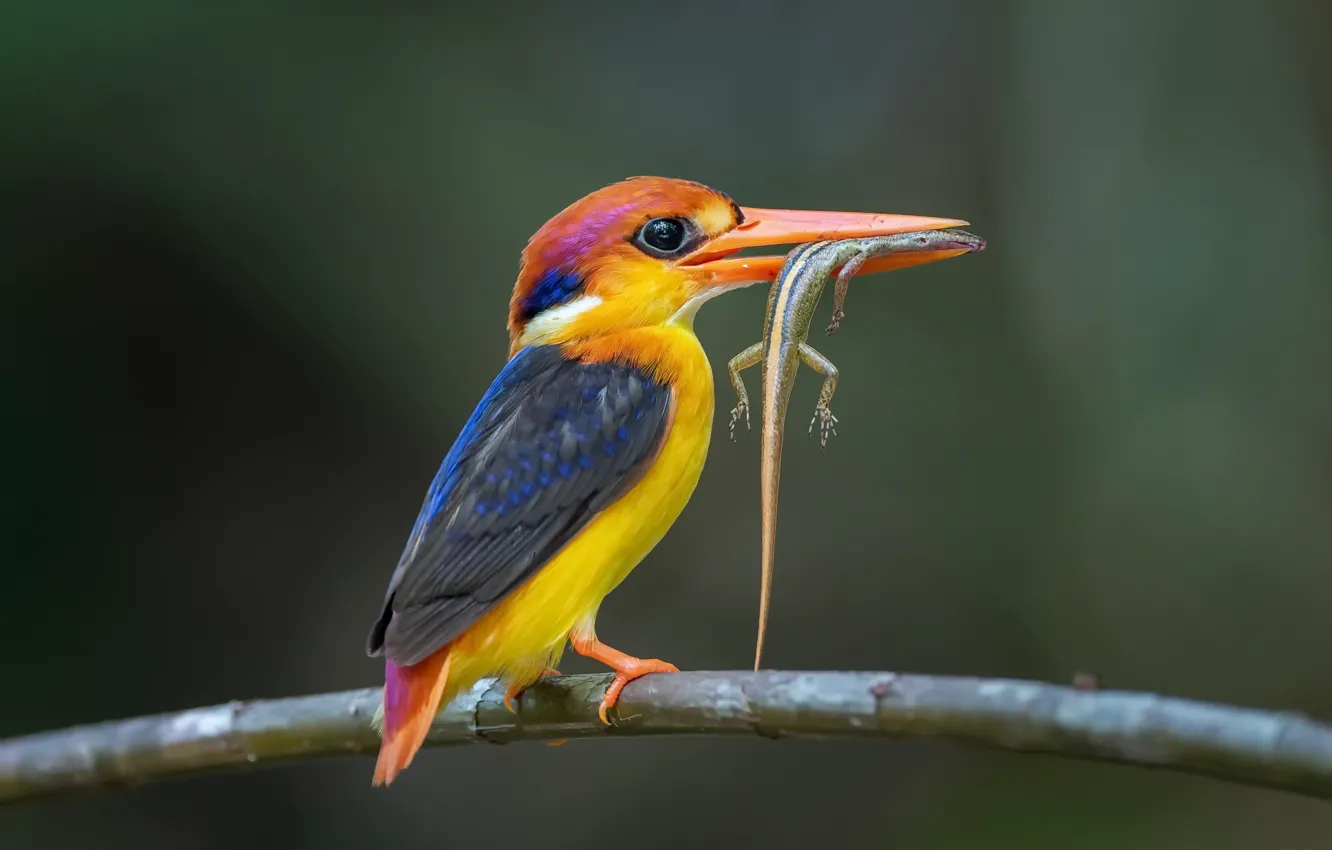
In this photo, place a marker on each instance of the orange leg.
(626, 667)
(513, 690)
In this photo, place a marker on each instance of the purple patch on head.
(574, 244)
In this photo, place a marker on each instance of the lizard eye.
(661, 237)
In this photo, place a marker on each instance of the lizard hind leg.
(823, 415)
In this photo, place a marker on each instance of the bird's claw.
(741, 408)
(637, 668)
(823, 417)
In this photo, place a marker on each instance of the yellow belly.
(527, 631)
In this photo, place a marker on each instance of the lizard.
(790, 313)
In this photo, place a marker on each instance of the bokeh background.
(256, 259)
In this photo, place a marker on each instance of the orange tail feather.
(411, 701)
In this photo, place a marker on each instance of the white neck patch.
(554, 319)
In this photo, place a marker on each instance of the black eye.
(662, 236)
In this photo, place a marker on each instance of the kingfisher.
(585, 448)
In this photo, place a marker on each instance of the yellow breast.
(527, 631)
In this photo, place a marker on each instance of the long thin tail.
(770, 472)
(411, 700)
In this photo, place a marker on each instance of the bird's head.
(650, 250)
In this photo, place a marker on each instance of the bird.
(584, 449)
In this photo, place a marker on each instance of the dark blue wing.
(552, 442)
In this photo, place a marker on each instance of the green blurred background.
(256, 259)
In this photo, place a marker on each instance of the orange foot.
(626, 667)
(512, 692)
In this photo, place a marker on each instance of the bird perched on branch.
(584, 449)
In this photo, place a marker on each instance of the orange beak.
(764, 227)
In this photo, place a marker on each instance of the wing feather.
(552, 443)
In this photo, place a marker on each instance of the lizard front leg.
(749, 357)
(840, 289)
(823, 415)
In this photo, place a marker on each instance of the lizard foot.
(823, 417)
(742, 408)
(836, 322)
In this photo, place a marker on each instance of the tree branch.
(1276, 750)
